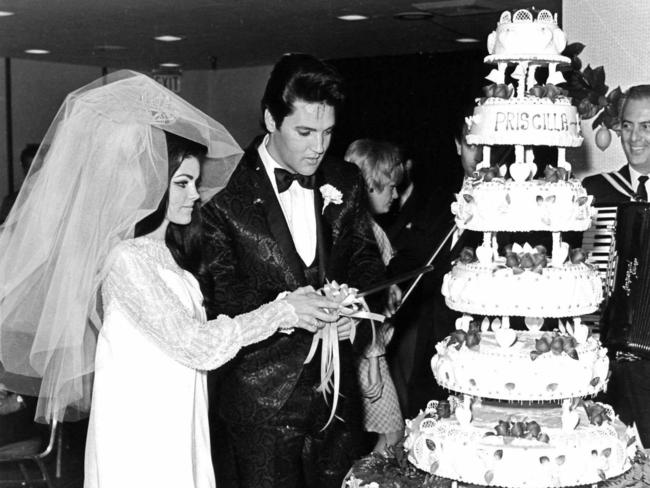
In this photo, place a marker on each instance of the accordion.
(625, 325)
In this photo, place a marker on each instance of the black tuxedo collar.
(251, 157)
(265, 195)
(323, 227)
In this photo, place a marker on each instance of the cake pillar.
(560, 250)
(529, 155)
(485, 162)
(561, 160)
(487, 239)
(519, 154)
(554, 77)
(555, 243)
(484, 252)
(519, 74)
(530, 78)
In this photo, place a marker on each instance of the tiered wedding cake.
(519, 419)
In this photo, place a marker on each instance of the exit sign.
(171, 81)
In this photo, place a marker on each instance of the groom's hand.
(344, 326)
(313, 309)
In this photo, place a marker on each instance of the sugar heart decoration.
(570, 419)
(464, 415)
(519, 171)
(505, 337)
(485, 324)
(484, 254)
(534, 323)
(496, 323)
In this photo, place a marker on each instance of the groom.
(278, 225)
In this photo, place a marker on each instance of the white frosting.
(507, 205)
(508, 373)
(569, 291)
(573, 457)
(524, 35)
(527, 121)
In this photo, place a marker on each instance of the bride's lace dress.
(148, 424)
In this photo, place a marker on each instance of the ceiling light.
(168, 38)
(37, 51)
(4, 13)
(466, 40)
(352, 17)
(170, 65)
(415, 15)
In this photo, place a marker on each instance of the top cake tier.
(524, 36)
(526, 112)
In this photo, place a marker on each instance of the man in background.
(423, 223)
(629, 384)
(630, 182)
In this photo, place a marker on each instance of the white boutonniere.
(330, 195)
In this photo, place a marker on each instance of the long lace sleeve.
(134, 284)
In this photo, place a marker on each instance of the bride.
(98, 273)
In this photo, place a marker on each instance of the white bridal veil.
(101, 168)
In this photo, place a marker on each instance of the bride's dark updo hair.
(183, 241)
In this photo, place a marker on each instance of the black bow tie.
(284, 179)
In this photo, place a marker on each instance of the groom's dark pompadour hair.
(301, 77)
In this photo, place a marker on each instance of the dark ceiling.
(236, 33)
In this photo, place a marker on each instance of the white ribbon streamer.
(352, 307)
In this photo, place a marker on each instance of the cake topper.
(523, 33)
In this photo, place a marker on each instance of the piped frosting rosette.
(350, 306)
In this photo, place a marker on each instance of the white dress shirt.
(297, 205)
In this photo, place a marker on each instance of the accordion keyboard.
(598, 241)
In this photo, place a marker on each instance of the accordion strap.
(619, 183)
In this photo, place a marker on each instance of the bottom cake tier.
(476, 452)
(389, 471)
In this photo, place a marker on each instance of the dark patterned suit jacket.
(610, 189)
(251, 258)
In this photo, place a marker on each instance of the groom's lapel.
(275, 219)
(323, 229)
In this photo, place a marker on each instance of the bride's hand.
(313, 310)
